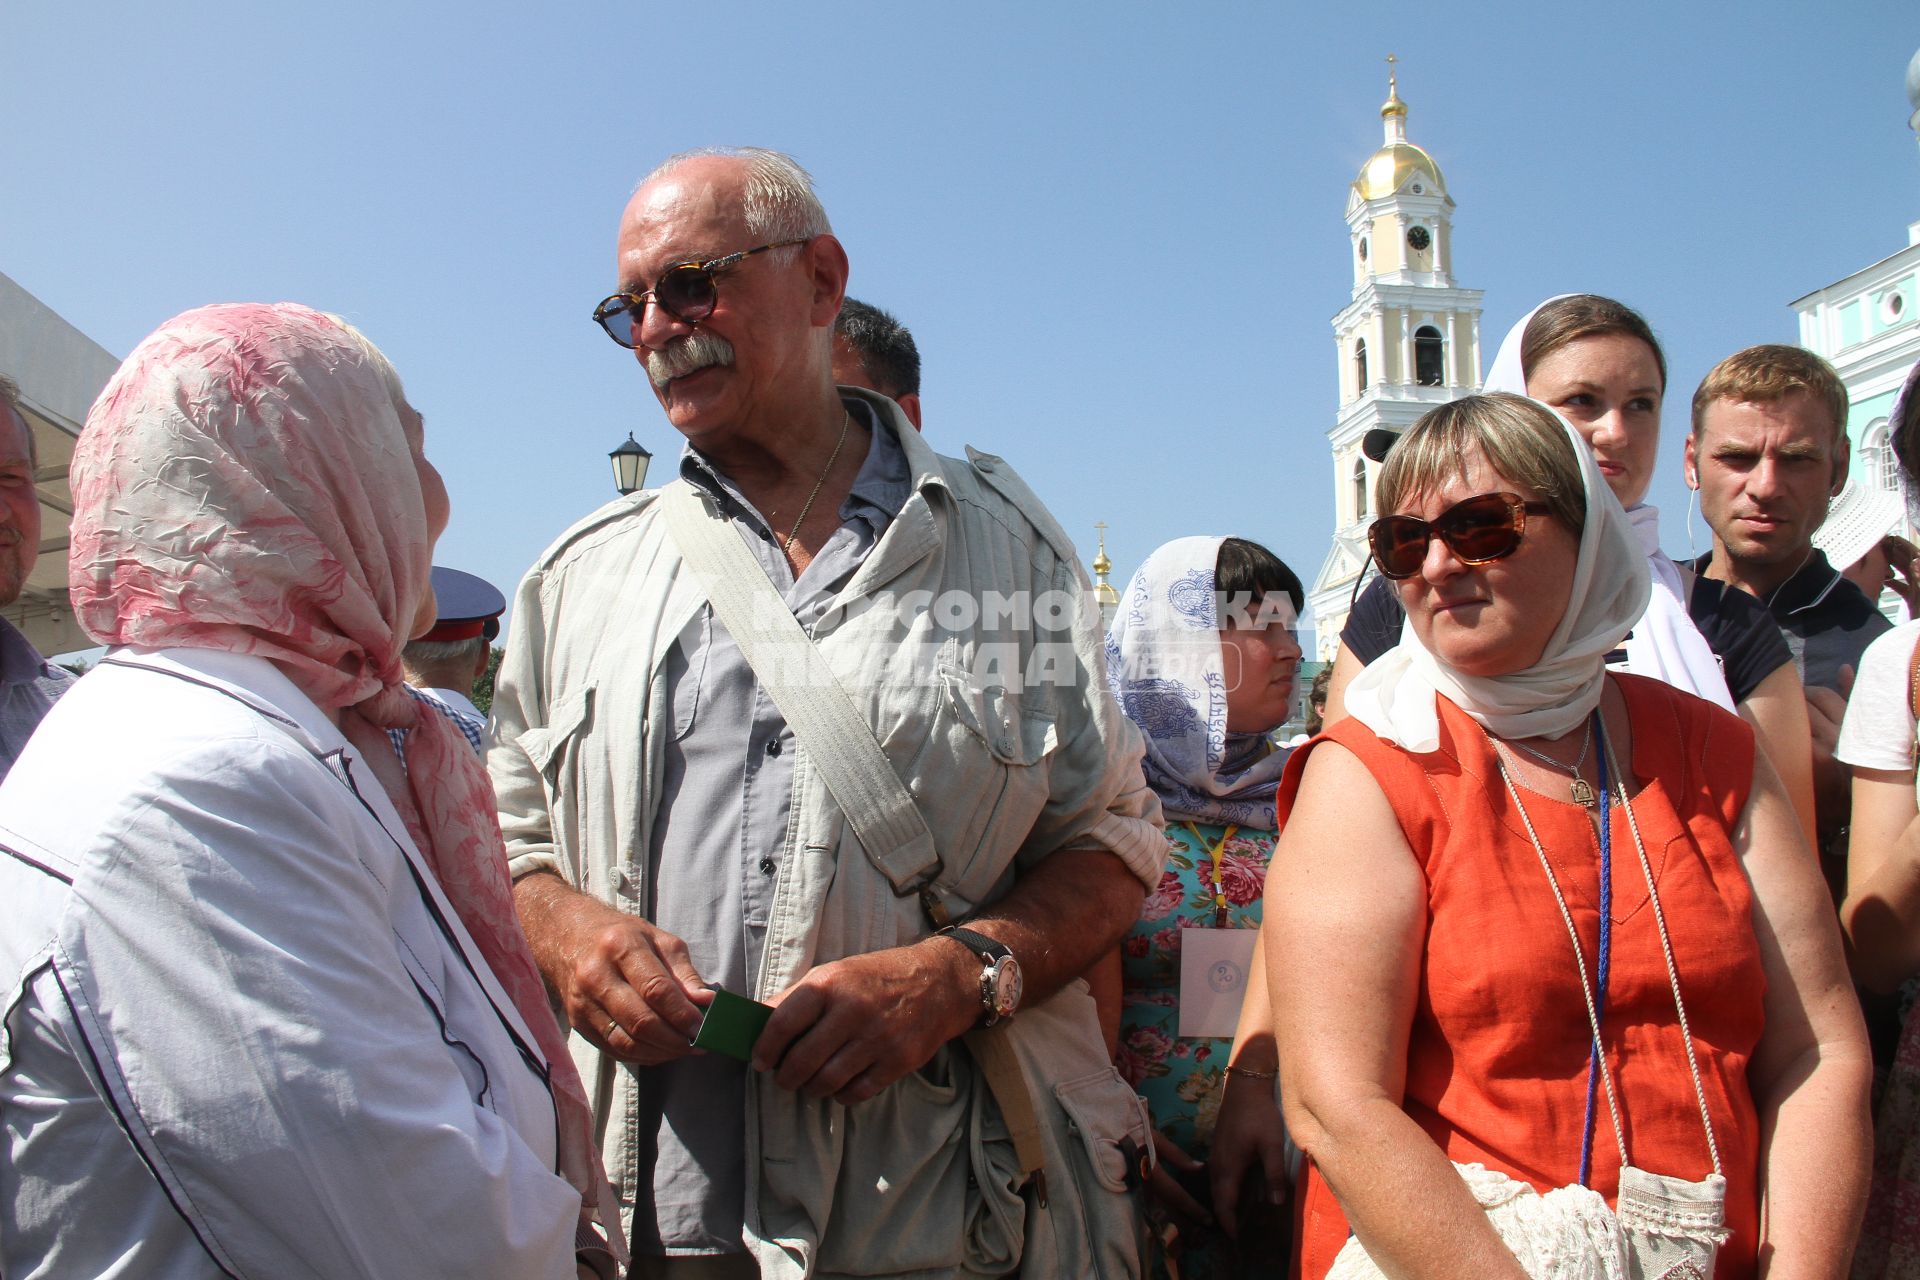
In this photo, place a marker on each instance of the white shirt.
(1878, 732)
(245, 1033)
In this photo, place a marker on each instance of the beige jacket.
(917, 1180)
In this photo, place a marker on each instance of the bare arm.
(1345, 917)
(1346, 665)
(1832, 783)
(851, 1027)
(1811, 1071)
(1104, 980)
(1777, 710)
(1882, 912)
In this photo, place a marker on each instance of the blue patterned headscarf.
(1163, 660)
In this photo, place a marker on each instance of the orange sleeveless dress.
(1497, 1055)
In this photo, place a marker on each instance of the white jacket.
(245, 1034)
(1004, 777)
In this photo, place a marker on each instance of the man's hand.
(852, 1027)
(626, 985)
(1249, 1139)
(1832, 782)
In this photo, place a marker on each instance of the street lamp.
(629, 466)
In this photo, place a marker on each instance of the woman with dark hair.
(1203, 658)
(1555, 978)
(1881, 914)
(1596, 362)
(269, 1010)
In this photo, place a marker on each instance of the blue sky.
(1116, 230)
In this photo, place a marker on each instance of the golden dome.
(1392, 165)
(1103, 590)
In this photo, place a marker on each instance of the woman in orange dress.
(1497, 854)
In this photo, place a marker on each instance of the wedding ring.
(613, 1025)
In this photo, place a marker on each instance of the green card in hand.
(732, 1024)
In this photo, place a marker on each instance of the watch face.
(1418, 238)
(1006, 987)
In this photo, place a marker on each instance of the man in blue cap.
(445, 663)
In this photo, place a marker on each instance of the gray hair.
(778, 201)
(421, 653)
(10, 401)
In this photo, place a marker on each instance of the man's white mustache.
(696, 351)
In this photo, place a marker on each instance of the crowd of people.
(831, 891)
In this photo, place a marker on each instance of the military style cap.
(468, 606)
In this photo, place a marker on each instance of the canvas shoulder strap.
(796, 676)
(822, 715)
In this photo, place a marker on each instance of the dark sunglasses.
(687, 292)
(1478, 530)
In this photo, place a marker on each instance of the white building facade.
(1868, 327)
(1407, 340)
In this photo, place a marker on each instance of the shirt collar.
(454, 700)
(1808, 588)
(879, 490)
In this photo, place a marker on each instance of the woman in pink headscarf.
(268, 1010)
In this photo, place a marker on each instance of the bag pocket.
(905, 1173)
(1108, 1131)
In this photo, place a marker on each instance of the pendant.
(1583, 793)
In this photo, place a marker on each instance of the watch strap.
(979, 943)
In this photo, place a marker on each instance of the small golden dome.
(1390, 168)
(1103, 591)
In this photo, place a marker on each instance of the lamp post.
(629, 465)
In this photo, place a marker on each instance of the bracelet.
(1249, 1073)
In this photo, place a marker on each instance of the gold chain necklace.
(1581, 790)
(846, 420)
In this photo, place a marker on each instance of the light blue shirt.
(721, 824)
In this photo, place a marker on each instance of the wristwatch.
(1000, 979)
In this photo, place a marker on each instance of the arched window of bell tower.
(1359, 489)
(1429, 357)
(1360, 365)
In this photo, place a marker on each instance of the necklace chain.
(846, 421)
(1581, 789)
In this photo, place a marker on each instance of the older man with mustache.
(822, 723)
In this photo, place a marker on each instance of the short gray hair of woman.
(779, 202)
(1522, 440)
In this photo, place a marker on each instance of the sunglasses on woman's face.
(1478, 530)
(687, 292)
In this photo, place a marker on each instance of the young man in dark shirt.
(1767, 453)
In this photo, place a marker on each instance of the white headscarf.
(1665, 644)
(1163, 660)
(1396, 696)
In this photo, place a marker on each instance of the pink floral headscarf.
(246, 483)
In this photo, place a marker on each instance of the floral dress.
(1183, 1078)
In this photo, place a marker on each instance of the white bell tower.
(1407, 340)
